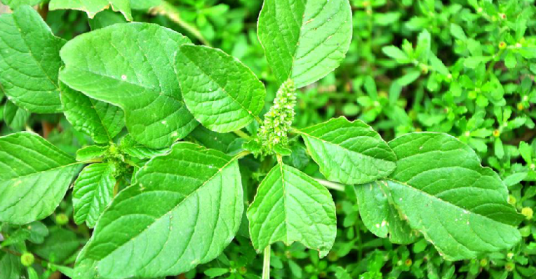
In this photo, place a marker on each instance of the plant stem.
(116, 187)
(242, 134)
(331, 185)
(266, 263)
(173, 13)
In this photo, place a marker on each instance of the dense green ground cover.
(465, 68)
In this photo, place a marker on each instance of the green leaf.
(457, 32)
(93, 191)
(14, 4)
(88, 153)
(99, 120)
(213, 140)
(349, 152)
(130, 147)
(458, 205)
(380, 216)
(92, 7)
(396, 53)
(10, 266)
(58, 246)
(221, 92)
(29, 61)
(105, 18)
(188, 205)
(34, 177)
(291, 206)
(131, 66)
(510, 60)
(305, 40)
(14, 116)
(144, 4)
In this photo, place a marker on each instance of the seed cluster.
(273, 134)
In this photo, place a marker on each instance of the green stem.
(173, 13)
(266, 263)
(331, 185)
(242, 134)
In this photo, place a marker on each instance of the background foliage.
(461, 67)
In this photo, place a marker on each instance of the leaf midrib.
(442, 201)
(175, 207)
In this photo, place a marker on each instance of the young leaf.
(458, 205)
(93, 191)
(349, 152)
(131, 66)
(221, 92)
(305, 40)
(184, 211)
(92, 7)
(290, 206)
(99, 120)
(29, 61)
(380, 216)
(34, 177)
(88, 153)
(14, 116)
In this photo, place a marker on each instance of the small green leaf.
(444, 192)
(93, 191)
(305, 40)
(188, 205)
(349, 152)
(396, 53)
(92, 7)
(380, 216)
(92, 152)
(457, 32)
(34, 177)
(221, 92)
(99, 120)
(105, 18)
(131, 66)
(10, 266)
(510, 60)
(290, 206)
(14, 116)
(29, 61)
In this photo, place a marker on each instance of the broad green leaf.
(29, 61)
(185, 209)
(458, 205)
(131, 66)
(93, 191)
(380, 216)
(10, 266)
(14, 4)
(99, 120)
(221, 92)
(92, 7)
(305, 40)
(34, 177)
(291, 206)
(14, 116)
(349, 152)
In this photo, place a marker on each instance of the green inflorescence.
(273, 134)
